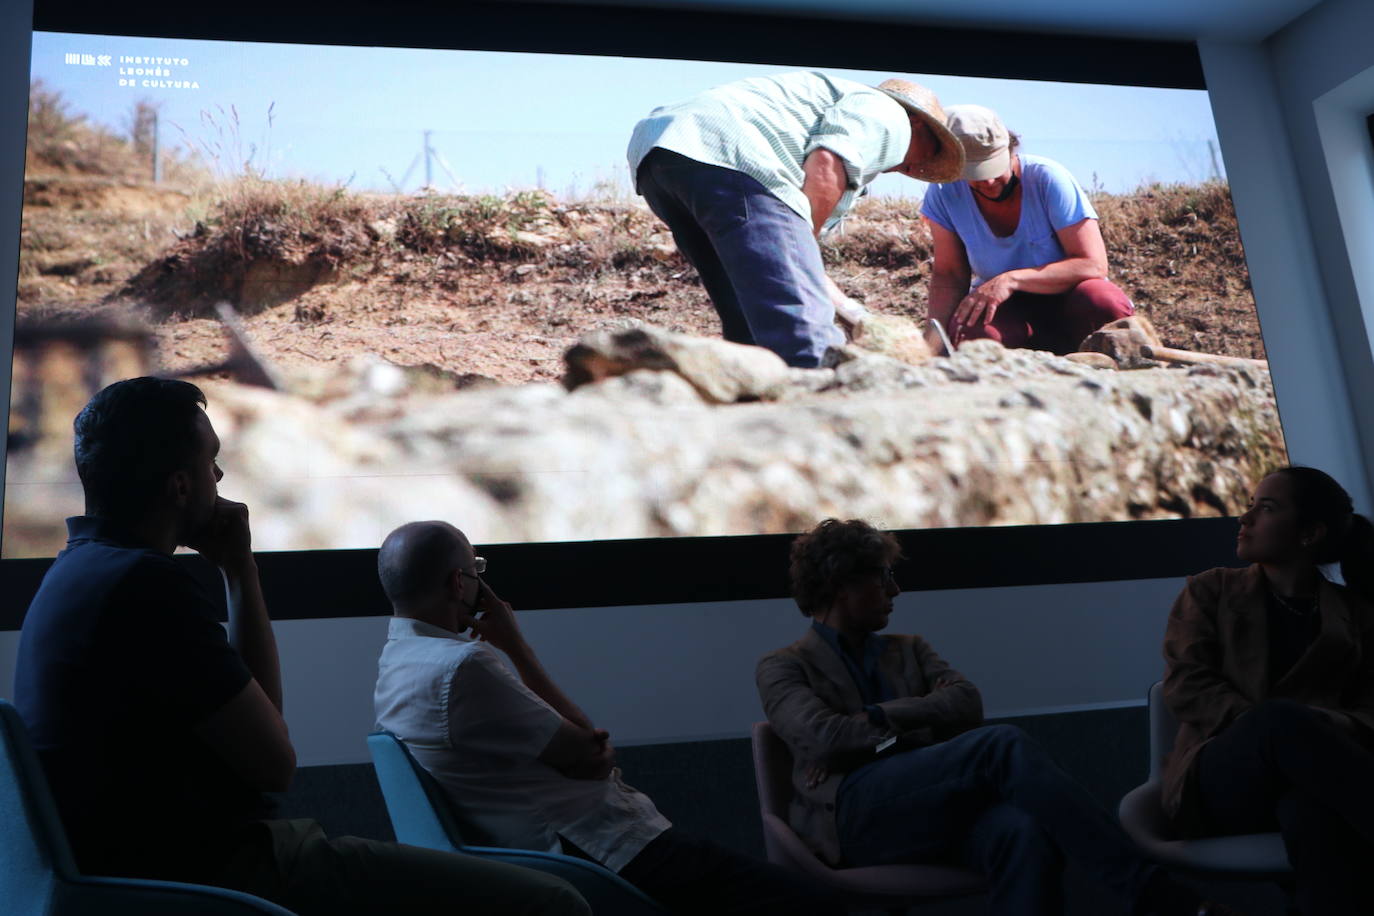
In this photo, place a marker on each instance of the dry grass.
(259, 218)
(527, 272)
(294, 234)
(62, 142)
(1176, 251)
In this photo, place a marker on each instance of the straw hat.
(986, 141)
(948, 164)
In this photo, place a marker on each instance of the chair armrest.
(1247, 855)
(785, 848)
(605, 891)
(1142, 815)
(142, 897)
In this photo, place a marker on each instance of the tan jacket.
(1216, 652)
(813, 704)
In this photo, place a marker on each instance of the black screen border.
(316, 584)
(343, 583)
(664, 33)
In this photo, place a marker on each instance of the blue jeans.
(756, 256)
(993, 800)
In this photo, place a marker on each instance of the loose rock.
(722, 372)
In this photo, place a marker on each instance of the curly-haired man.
(892, 762)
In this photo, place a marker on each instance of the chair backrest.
(772, 770)
(422, 815)
(38, 873)
(419, 810)
(34, 856)
(1163, 730)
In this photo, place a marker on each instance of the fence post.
(157, 159)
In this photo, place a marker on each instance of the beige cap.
(985, 139)
(948, 164)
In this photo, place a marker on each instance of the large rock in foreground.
(987, 437)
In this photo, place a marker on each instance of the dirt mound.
(502, 286)
(1176, 251)
(258, 266)
(83, 236)
(129, 198)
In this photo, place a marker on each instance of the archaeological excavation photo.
(553, 326)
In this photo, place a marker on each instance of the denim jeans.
(756, 256)
(993, 800)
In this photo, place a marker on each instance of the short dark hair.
(831, 554)
(415, 558)
(130, 437)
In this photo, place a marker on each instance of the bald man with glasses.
(523, 765)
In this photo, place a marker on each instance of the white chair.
(1259, 856)
(895, 888)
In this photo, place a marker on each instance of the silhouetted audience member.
(892, 762)
(158, 734)
(522, 763)
(1270, 671)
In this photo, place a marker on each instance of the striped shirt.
(766, 127)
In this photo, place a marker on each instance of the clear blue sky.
(503, 120)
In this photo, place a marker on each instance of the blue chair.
(38, 876)
(1259, 856)
(422, 815)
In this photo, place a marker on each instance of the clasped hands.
(819, 773)
(602, 763)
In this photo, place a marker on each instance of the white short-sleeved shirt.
(1051, 200)
(765, 127)
(472, 724)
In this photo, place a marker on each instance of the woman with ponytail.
(1270, 672)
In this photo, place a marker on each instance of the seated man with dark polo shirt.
(523, 764)
(158, 734)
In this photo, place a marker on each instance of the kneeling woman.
(1271, 675)
(1019, 257)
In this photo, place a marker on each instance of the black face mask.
(1007, 191)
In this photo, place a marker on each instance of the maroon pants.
(1056, 322)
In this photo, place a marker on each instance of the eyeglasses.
(479, 566)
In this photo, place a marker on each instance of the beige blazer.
(813, 704)
(1216, 652)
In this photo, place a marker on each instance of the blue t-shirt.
(121, 656)
(1050, 200)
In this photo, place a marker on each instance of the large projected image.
(421, 284)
